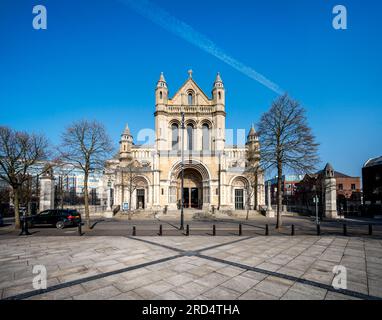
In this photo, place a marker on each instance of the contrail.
(165, 20)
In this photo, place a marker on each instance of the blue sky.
(100, 59)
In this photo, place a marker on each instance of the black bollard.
(292, 232)
(24, 228)
(187, 230)
(345, 229)
(266, 230)
(214, 230)
(160, 230)
(370, 229)
(79, 228)
(240, 230)
(134, 231)
(318, 229)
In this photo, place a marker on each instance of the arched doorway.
(192, 189)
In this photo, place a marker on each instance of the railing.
(190, 109)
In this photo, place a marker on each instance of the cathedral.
(215, 175)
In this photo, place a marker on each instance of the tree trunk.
(16, 205)
(279, 195)
(86, 198)
(130, 197)
(256, 194)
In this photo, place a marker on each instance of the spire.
(218, 81)
(162, 81)
(127, 130)
(328, 170)
(252, 132)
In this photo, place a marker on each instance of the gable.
(190, 85)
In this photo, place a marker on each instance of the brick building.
(348, 190)
(372, 186)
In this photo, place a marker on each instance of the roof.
(373, 162)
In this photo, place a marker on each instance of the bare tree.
(252, 175)
(130, 174)
(19, 152)
(286, 142)
(86, 145)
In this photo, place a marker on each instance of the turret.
(161, 92)
(328, 171)
(218, 92)
(253, 145)
(125, 144)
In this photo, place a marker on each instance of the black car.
(60, 218)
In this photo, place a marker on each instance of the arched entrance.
(196, 185)
(192, 189)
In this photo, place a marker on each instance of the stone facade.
(215, 174)
(47, 189)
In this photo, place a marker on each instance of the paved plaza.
(195, 267)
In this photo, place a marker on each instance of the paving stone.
(257, 295)
(301, 291)
(154, 289)
(99, 294)
(191, 290)
(274, 286)
(221, 293)
(240, 283)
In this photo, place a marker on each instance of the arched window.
(206, 137)
(190, 99)
(220, 95)
(175, 136)
(190, 135)
(160, 94)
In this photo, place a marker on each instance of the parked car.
(60, 218)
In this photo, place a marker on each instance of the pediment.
(190, 84)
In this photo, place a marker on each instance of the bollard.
(160, 230)
(345, 229)
(318, 229)
(370, 229)
(214, 230)
(240, 230)
(134, 231)
(79, 228)
(266, 230)
(187, 230)
(292, 232)
(24, 227)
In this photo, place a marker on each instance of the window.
(220, 95)
(206, 137)
(175, 136)
(190, 134)
(340, 186)
(160, 94)
(190, 99)
(353, 186)
(162, 191)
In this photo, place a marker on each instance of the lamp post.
(315, 200)
(182, 177)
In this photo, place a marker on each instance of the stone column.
(270, 213)
(47, 191)
(330, 194)
(108, 199)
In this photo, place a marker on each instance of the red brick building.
(348, 193)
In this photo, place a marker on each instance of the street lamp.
(315, 200)
(182, 177)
